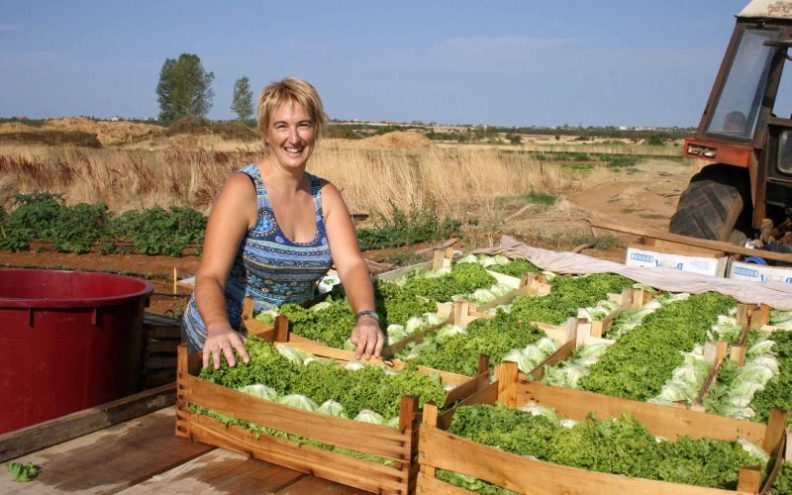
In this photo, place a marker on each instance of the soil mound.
(107, 132)
(391, 140)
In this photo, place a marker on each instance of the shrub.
(159, 231)
(407, 227)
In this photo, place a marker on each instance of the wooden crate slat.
(560, 354)
(661, 420)
(486, 395)
(394, 274)
(163, 332)
(533, 477)
(466, 389)
(391, 350)
(167, 346)
(342, 468)
(432, 486)
(371, 439)
(321, 350)
(161, 362)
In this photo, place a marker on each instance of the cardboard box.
(761, 273)
(652, 257)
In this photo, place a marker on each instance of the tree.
(184, 88)
(243, 99)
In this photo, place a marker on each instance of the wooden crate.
(714, 352)
(463, 312)
(161, 338)
(396, 445)
(533, 284)
(255, 327)
(438, 449)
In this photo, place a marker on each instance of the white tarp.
(776, 294)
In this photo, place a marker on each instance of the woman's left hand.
(368, 338)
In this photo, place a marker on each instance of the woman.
(274, 230)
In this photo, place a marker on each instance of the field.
(543, 190)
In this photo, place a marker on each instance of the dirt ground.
(645, 197)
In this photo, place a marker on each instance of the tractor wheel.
(713, 203)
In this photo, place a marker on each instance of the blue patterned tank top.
(269, 267)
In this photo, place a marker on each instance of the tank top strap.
(252, 171)
(316, 192)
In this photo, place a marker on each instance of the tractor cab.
(746, 132)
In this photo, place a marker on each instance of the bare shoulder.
(240, 183)
(238, 190)
(238, 195)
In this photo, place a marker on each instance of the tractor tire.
(712, 205)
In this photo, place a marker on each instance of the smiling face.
(291, 135)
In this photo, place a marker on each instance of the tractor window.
(737, 108)
(784, 164)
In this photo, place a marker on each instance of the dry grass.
(450, 179)
(124, 179)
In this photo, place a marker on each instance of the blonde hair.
(290, 90)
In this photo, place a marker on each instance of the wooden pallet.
(398, 446)
(438, 449)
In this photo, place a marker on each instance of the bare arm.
(233, 213)
(353, 271)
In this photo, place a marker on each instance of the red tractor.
(747, 189)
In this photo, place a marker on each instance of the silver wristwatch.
(368, 312)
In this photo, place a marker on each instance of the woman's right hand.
(223, 339)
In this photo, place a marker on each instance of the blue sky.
(508, 63)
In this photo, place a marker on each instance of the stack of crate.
(162, 336)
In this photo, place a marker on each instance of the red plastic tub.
(68, 341)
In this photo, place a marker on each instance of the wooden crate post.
(714, 352)
(409, 406)
(429, 420)
(737, 354)
(281, 329)
(744, 313)
(639, 297)
(407, 414)
(508, 376)
(483, 364)
(776, 427)
(749, 480)
(597, 328)
(182, 425)
(442, 258)
(461, 312)
(760, 317)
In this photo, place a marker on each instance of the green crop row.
(42, 217)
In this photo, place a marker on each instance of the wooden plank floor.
(144, 456)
